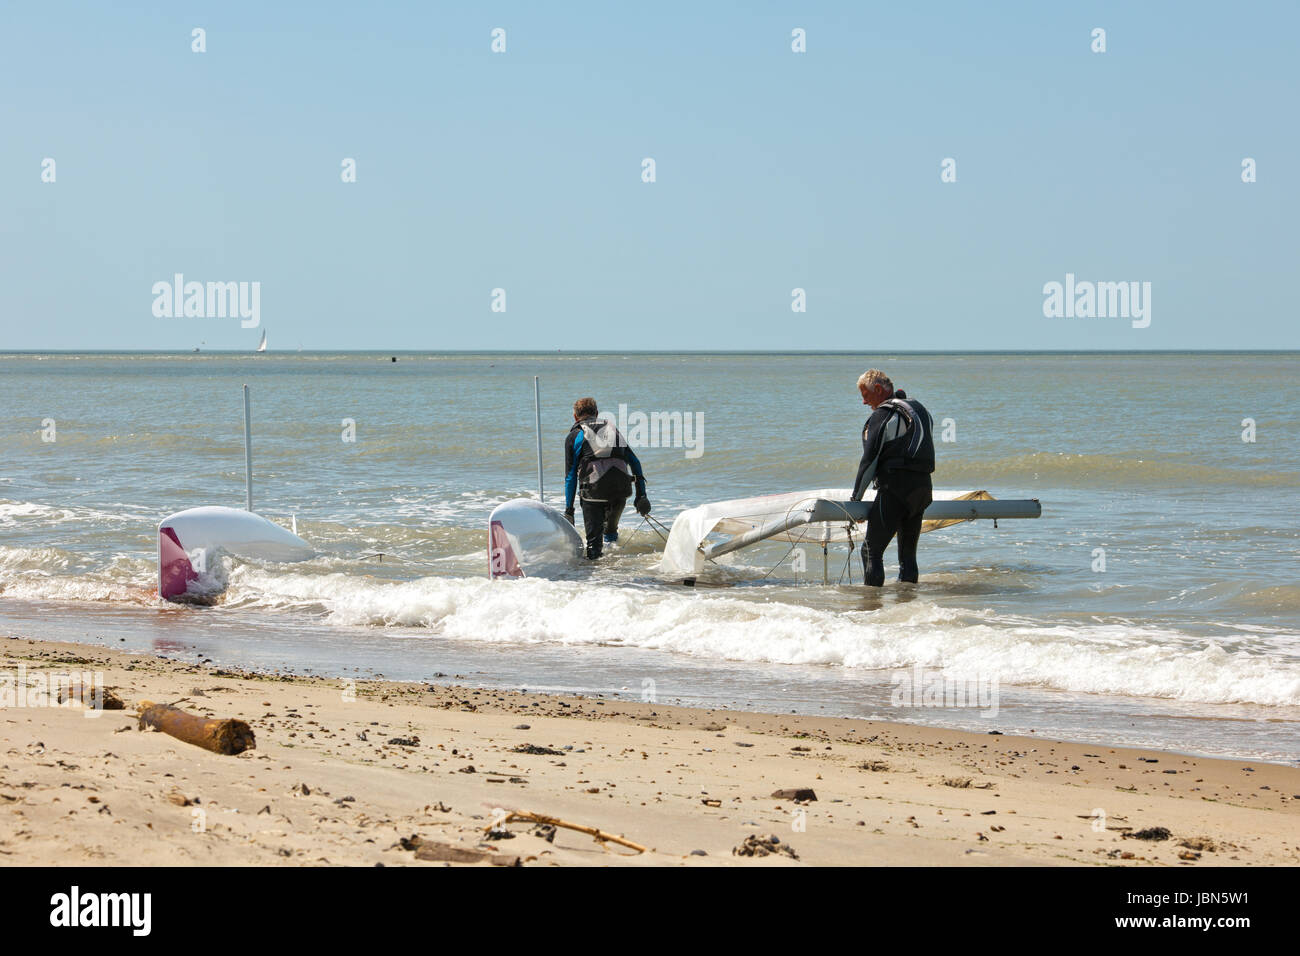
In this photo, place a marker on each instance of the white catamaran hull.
(192, 543)
(527, 538)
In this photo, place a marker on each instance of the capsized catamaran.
(821, 517)
(192, 544)
(524, 533)
(205, 537)
(527, 538)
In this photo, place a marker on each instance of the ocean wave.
(1117, 658)
(31, 514)
(1285, 597)
(74, 588)
(350, 586)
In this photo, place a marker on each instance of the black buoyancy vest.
(913, 449)
(603, 472)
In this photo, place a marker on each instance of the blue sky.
(775, 170)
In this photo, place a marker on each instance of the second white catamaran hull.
(529, 539)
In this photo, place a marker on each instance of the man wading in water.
(599, 468)
(898, 454)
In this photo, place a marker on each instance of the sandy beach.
(367, 773)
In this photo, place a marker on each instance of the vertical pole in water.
(537, 408)
(826, 537)
(248, 451)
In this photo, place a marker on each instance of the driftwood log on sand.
(92, 696)
(600, 835)
(228, 736)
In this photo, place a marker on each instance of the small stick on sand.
(227, 736)
(600, 835)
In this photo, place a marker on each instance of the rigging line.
(779, 563)
(633, 534)
(794, 541)
(848, 558)
(656, 530)
(852, 549)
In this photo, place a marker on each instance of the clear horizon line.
(484, 351)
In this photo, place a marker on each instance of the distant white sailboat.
(262, 345)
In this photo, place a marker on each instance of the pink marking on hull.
(502, 560)
(174, 569)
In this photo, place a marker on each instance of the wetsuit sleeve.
(571, 458)
(635, 463)
(871, 443)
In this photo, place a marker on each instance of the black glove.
(642, 505)
(568, 515)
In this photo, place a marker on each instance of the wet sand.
(377, 773)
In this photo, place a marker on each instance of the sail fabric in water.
(741, 515)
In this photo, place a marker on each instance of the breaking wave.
(1085, 658)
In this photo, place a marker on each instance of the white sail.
(262, 345)
(818, 517)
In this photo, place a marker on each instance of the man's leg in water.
(613, 511)
(912, 507)
(882, 522)
(909, 532)
(593, 522)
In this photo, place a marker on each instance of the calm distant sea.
(1158, 593)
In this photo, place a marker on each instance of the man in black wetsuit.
(898, 454)
(600, 469)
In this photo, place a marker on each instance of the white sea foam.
(33, 515)
(1087, 658)
(13, 512)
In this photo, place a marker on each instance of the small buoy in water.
(394, 358)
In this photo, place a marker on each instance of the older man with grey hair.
(898, 457)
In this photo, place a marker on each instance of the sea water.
(1156, 601)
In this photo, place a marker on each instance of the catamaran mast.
(537, 409)
(248, 451)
